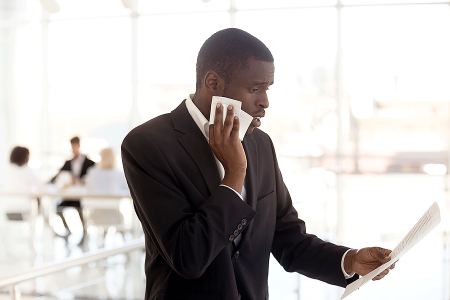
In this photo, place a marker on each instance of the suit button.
(239, 296)
(236, 232)
(231, 238)
(244, 222)
(236, 255)
(239, 227)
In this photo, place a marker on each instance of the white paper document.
(426, 223)
(244, 118)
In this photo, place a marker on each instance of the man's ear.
(214, 83)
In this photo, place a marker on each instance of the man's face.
(250, 87)
(75, 149)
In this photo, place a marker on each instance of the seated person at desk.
(78, 167)
(18, 209)
(21, 180)
(104, 179)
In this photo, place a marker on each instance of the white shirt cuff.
(347, 276)
(236, 193)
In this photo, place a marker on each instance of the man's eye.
(253, 90)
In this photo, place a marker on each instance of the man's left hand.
(364, 260)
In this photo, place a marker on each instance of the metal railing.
(31, 273)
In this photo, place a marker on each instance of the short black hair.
(19, 156)
(228, 51)
(75, 140)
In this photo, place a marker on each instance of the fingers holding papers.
(367, 259)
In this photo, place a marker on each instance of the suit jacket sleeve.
(187, 236)
(298, 251)
(65, 167)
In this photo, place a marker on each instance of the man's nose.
(263, 100)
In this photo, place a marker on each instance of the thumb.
(380, 254)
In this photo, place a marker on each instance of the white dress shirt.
(76, 165)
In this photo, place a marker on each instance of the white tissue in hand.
(244, 121)
(244, 118)
(225, 102)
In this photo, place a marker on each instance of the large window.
(166, 58)
(89, 83)
(395, 83)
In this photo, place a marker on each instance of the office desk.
(49, 199)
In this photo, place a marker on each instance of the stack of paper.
(426, 223)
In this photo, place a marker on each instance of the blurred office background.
(359, 114)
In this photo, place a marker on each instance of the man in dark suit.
(77, 167)
(213, 213)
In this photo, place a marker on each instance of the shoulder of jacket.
(158, 129)
(162, 122)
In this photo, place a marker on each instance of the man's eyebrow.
(261, 83)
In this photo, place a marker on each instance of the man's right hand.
(226, 145)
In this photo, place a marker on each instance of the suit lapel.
(195, 144)
(250, 182)
(84, 167)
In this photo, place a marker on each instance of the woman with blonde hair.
(108, 161)
(104, 179)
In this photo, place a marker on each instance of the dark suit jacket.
(190, 221)
(67, 167)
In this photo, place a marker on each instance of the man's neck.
(202, 103)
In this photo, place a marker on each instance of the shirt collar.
(80, 158)
(199, 118)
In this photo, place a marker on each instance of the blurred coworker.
(21, 180)
(17, 237)
(104, 179)
(78, 167)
